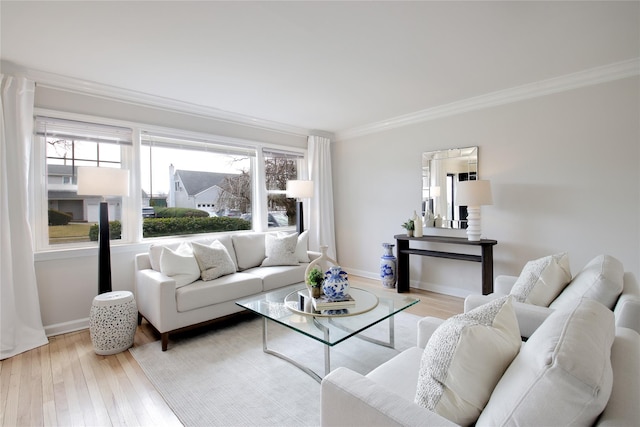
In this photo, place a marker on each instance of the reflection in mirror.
(441, 172)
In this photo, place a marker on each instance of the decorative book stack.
(324, 302)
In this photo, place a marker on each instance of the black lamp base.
(104, 251)
(299, 218)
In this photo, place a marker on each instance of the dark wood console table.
(486, 257)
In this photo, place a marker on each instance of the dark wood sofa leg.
(139, 319)
(165, 340)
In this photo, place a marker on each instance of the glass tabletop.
(282, 306)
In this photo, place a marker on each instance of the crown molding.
(83, 87)
(592, 76)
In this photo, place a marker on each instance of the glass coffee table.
(292, 308)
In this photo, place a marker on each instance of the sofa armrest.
(622, 408)
(156, 298)
(627, 308)
(502, 284)
(529, 316)
(426, 328)
(350, 399)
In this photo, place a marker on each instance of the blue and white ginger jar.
(388, 265)
(336, 284)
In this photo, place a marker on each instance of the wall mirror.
(441, 172)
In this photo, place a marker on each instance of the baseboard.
(66, 327)
(425, 286)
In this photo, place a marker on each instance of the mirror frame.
(441, 172)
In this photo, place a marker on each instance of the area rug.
(221, 376)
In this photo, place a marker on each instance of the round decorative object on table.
(336, 284)
(113, 321)
(388, 265)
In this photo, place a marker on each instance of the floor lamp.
(94, 181)
(299, 190)
(474, 194)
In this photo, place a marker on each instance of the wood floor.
(65, 383)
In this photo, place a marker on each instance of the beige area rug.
(221, 376)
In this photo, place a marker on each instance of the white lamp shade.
(474, 193)
(94, 181)
(300, 189)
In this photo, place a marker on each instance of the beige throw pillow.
(302, 246)
(542, 280)
(465, 358)
(180, 265)
(281, 250)
(213, 261)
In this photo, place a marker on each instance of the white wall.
(565, 177)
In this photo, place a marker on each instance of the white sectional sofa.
(577, 368)
(172, 295)
(602, 279)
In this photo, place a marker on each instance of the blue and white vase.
(388, 265)
(336, 284)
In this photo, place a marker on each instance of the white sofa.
(172, 297)
(602, 279)
(561, 376)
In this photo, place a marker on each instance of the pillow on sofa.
(541, 280)
(250, 249)
(180, 265)
(465, 358)
(562, 375)
(280, 250)
(214, 261)
(601, 280)
(302, 246)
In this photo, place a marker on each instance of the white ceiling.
(331, 66)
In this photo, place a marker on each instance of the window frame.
(132, 204)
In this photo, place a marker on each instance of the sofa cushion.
(464, 359)
(562, 375)
(226, 288)
(155, 251)
(541, 280)
(280, 250)
(278, 276)
(250, 249)
(601, 280)
(180, 265)
(214, 260)
(302, 247)
(400, 374)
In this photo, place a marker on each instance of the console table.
(486, 257)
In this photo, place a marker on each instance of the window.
(196, 186)
(68, 144)
(280, 167)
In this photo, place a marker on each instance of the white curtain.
(321, 228)
(21, 324)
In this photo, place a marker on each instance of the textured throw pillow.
(465, 358)
(214, 261)
(302, 246)
(562, 375)
(281, 250)
(541, 280)
(180, 265)
(602, 279)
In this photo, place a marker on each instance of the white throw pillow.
(562, 375)
(302, 247)
(281, 250)
(465, 358)
(214, 261)
(250, 249)
(180, 265)
(601, 279)
(541, 280)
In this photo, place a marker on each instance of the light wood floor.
(65, 383)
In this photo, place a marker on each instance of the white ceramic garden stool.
(113, 321)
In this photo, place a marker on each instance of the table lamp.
(474, 194)
(299, 189)
(96, 181)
